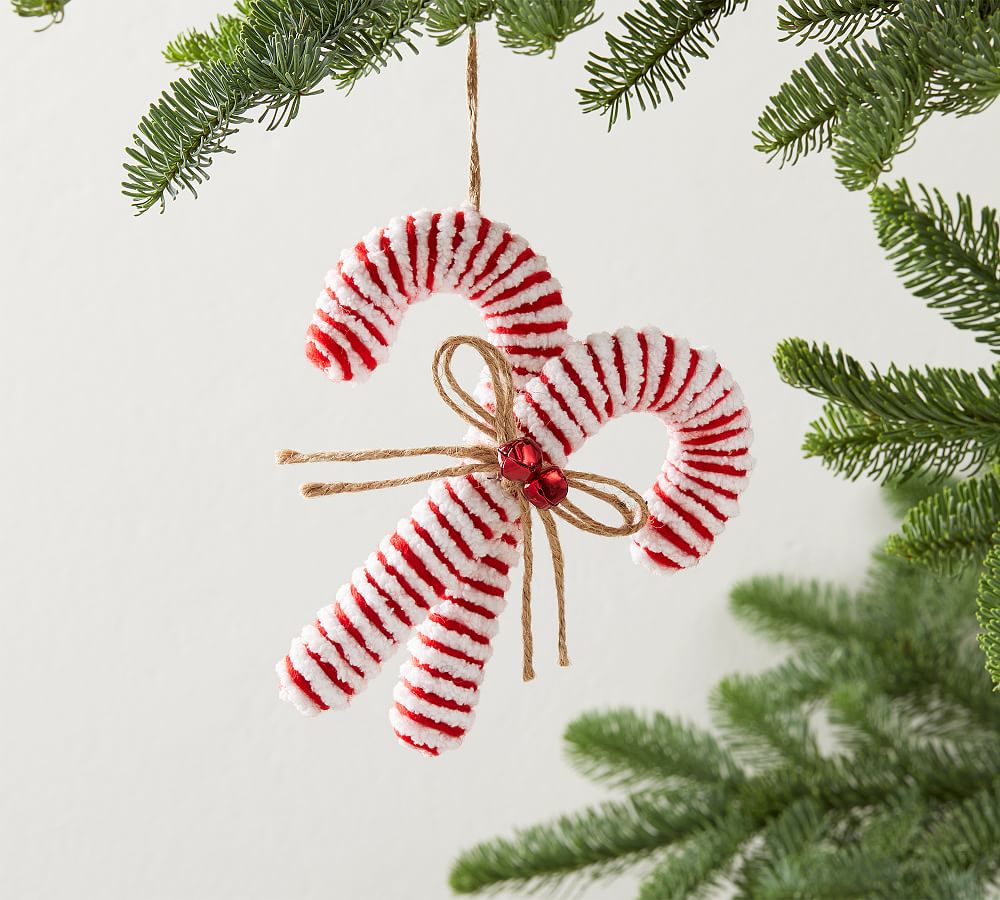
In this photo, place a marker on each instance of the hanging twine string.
(472, 101)
(498, 426)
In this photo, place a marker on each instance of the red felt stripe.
(390, 257)
(331, 673)
(526, 254)
(548, 424)
(411, 592)
(444, 676)
(371, 615)
(480, 525)
(432, 250)
(661, 559)
(415, 563)
(397, 610)
(439, 618)
(449, 651)
(581, 388)
(484, 227)
(335, 352)
(491, 263)
(450, 730)
(406, 739)
(436, 699)
(302, 684)
(356, 635)
(340, 650)
(599, 372)
(691, 520)
(665, 531)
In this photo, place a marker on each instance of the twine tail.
(559, 570)
(527, 641)
(472, 102)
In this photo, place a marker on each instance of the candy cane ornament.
(442, 576)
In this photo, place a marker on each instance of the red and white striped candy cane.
(444, 571)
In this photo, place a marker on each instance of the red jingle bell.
(547, 489)
(519, 459)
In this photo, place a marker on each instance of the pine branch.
(625, 749)
(387, 27)
(31, 9)
(758, 731)
(967, 835)
(533, 27)
(652, 57)
(951, 529)
(896, 424)
(988, 610)
(596, 842)
(802, 613)
(219, 43)
(448, 20)
(801, 117)
(870, 133)
(832, 21)
(286, 49)
(697, 865)
(945, 257)
(963, 49)
(902, 496)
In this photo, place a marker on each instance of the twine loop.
(497, 425)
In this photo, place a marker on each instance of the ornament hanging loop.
(472, 102)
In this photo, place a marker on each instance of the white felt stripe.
(656, 350)
(374, 640)
(391, 586)
(514, 280)
(651, 540)
(659, 510)
(603, 352)
(354, 652)
(443, 687)
(452, 717)
(288, 690)
(400, 244)
(514, 249)
(421, 734)
(631, 353)
(445, 254)
(322, 686)
(379, 310)
(422, 227)
(430, 656)
(319, 645)
(494, 235)
(679, 361)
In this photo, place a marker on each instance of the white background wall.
(156, 563)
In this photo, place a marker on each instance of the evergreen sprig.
(530, 27)
(448, 20)
(867, 99)
(950, 258)
(988, 609)
(953, 528)
(938, 421)
(832, 21)
(906, 804)
(219, 43)
(651, 58)
(285, 50)
(898, 423)
(36, 9)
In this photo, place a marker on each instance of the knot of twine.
(498, 425)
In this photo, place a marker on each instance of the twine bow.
(498, 426)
